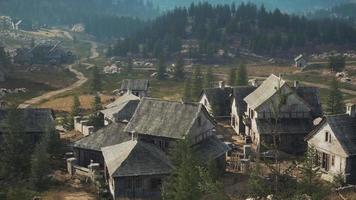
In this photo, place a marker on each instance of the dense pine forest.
(285, 5)
(247, 27)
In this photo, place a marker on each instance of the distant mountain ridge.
(300, 6)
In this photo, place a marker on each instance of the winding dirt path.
(80, 76)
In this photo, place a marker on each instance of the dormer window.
(327, 137)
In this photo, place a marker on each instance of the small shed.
(300, 61)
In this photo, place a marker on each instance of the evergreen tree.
(40, 165)
(257, 187)
(197, 83)
(183, 183)
(232, 76)
(96, 82)
(187, 96)
(179, 69)
(4, 58)
(337, 63)
(129, 65)
(242, 77)
(15, 148)
(310, 170)
(76, 106)
(96, 105)
(209, 79)
(161, 69)
(335, 103)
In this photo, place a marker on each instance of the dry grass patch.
(65, 103)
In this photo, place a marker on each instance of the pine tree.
(76, 106)
(179, 69)
(335, 103)
(161, 69)
(183, 183)
(96, 82)
(242, 77)
(232, 76)
(209, 79)
(96, 106)
(15, 148)
(187, 96)
(197, 83)
(40, 165)
(310, 169)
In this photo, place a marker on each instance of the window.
(333, 160)
(325, 161)
(327, 137)
(205, 102)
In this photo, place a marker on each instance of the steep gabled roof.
(221, 97)
(311, 95)
(344, 129)
(135, 158)
(239, 93)
(265, 91)
(34, 119)
(164, 118)
(135, 84)
(122, 109)
(210, 149)
(107, 136)
(298, 57)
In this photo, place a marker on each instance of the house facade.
(334, 139)
(136, 87)
(217, 101)
(238, 108)
(276, 109)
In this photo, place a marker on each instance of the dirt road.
(80, 76)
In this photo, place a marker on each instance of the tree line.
(246, 26)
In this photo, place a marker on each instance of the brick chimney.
(351, 109)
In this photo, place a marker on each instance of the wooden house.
(34, 121)
(217, 101)
(88, 149)
(136, 87)
(135, 169)
(334, 139)
(294, 108)
(239, 107)
(300, 61)
(121, 110)
(155, 126)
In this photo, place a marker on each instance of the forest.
(346, 12)
(247, 25)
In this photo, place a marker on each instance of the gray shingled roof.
(311, 95)
(239, 93)
(135, 84)
(285, 126)
(265, 91)
(344, 128)
(107, 136)
(34, 119)
(122, 109)
(210, 148)
(135, 158)
(163, 118)
(221, 97)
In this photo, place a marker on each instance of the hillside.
(345, 12)
(285, 5)
(247, 27)
(59, 12)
